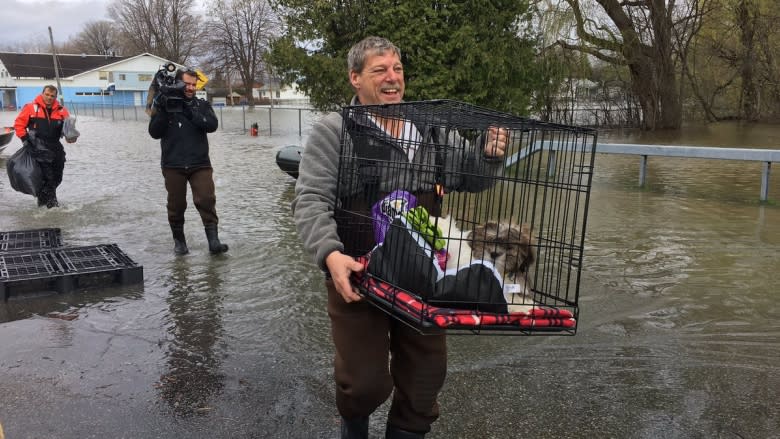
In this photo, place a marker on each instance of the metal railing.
(766, 156)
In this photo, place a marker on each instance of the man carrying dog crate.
(364, 336)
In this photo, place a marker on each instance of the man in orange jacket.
(39, 125)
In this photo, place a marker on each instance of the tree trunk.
(641, 84)
(669, 100)
(747, 25)
(653, 73)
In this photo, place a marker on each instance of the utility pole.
(271, 86)
(56, 67)
(230, 88)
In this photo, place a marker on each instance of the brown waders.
(203, 196)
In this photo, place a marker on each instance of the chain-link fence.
(268, 120)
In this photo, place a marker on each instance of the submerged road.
(678, 335)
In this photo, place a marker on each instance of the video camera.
(169, 91)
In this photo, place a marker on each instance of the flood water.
(679, 331)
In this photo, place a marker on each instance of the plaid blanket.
(533, 317)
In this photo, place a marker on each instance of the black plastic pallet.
(33, 239)
(65, 269)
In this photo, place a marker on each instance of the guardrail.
(766, 156)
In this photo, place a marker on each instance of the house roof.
(116, 60)
(40, 65)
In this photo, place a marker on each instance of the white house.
(289, 95)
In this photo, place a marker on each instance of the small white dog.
(509, 247)
(458, 242)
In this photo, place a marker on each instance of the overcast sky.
(25, 20)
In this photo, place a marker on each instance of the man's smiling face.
(381, 81)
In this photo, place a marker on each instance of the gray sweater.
(315, 189)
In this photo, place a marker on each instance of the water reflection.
(194, 324)
(67, 306)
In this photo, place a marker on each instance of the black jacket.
(183, 134)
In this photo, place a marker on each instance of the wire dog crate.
(452, 237)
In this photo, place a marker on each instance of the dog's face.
(509, 247)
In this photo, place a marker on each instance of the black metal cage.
(452, 236)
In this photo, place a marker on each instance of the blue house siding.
(25, 95)
(114, 98)
(86, 95)
(122, 98)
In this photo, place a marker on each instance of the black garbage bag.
(43, 150)
(24, 172)
(476, 286)
(405, 260)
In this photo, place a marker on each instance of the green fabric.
(420, 221)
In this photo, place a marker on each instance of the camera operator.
(185, 159)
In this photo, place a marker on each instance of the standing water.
(678, 333)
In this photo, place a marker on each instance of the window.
(144, 77)
(278, 94)
(122, 77)
(93, 93)
(103, 75)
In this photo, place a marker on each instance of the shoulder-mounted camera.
(169, 92)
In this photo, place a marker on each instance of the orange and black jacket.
(47, 123)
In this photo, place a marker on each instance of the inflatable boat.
(6, 134)
(288, 158)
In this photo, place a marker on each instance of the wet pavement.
(678, 333)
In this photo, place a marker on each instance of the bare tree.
(640, 35)
(34, 44)
(746, 13)
(755, 25)
(769, 41)
(686, 36)
(97, 38)
(239, 34)
(733, 71)
(166, 28)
